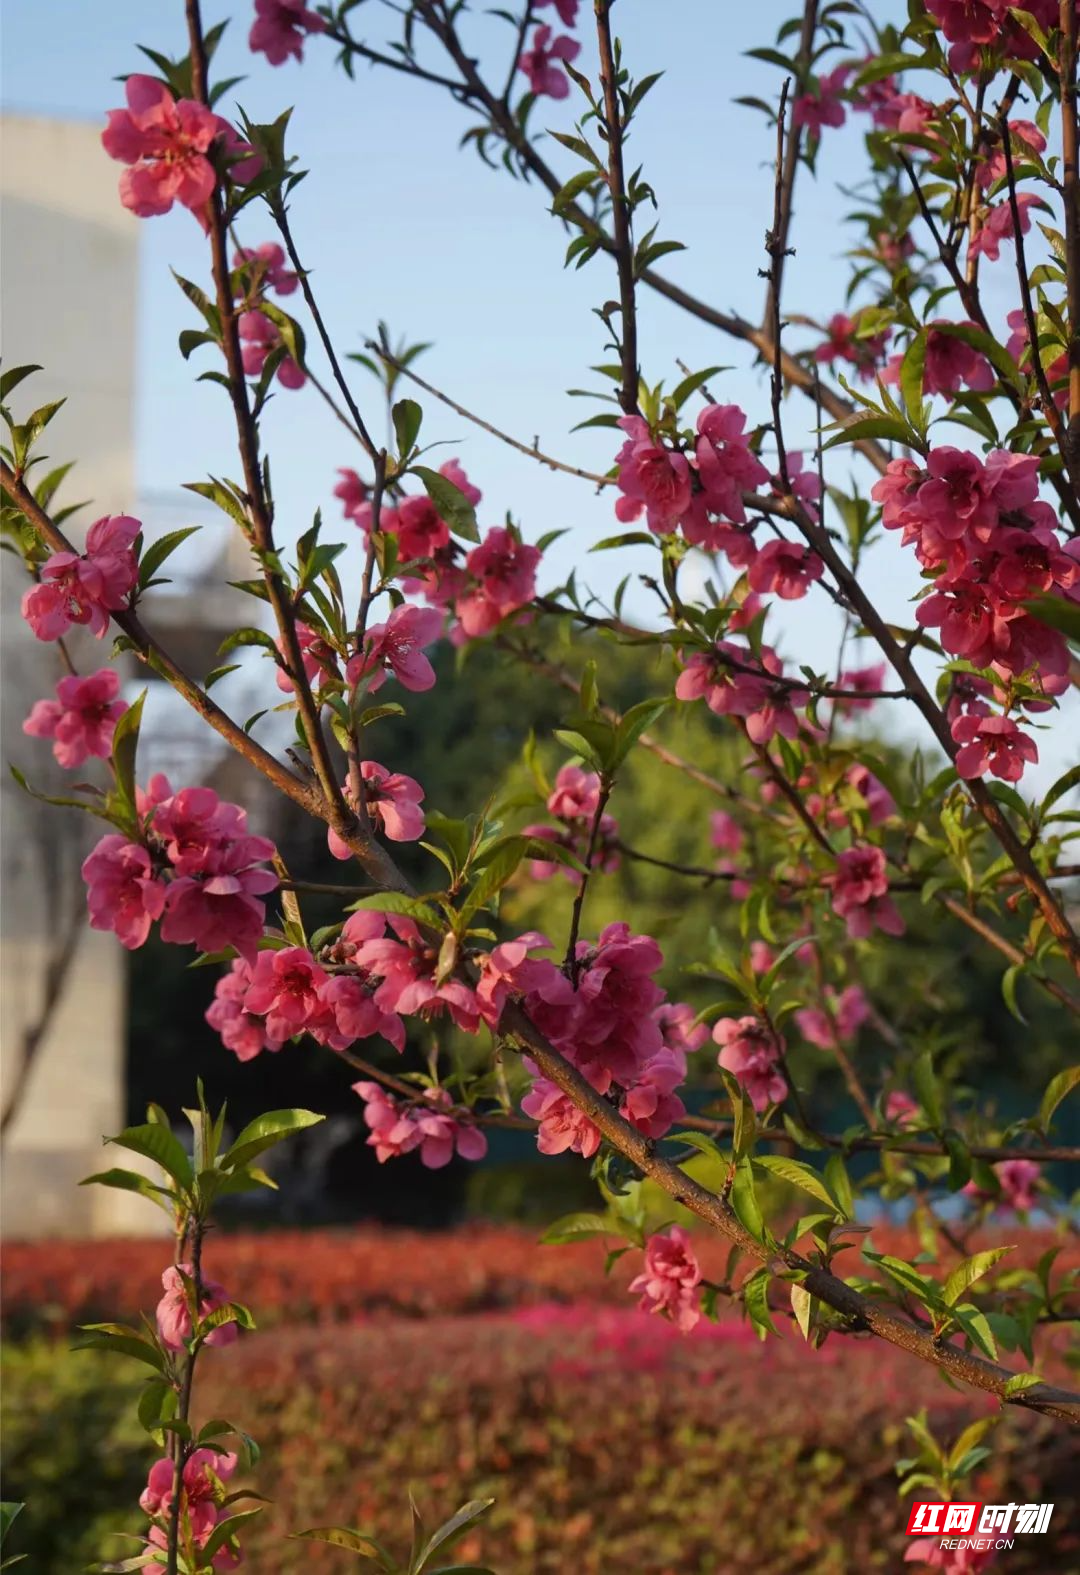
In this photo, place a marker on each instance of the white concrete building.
(68, 281)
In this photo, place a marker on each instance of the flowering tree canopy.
(821, 848)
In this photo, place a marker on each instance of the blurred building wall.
(68, 287)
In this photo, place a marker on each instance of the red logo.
(941, 1520)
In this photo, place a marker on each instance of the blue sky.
(397, 224)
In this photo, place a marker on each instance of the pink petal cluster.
(266, 268)
(280, 27)
(607, 1021)
(785, 568)
(860, 893)
(196, 868)
(1057, 372)
(574, 801)
(502, 579)
(259, 337)
(991, 744)
(85, 588)
(992, 544)
(950, 363)
(395, 648)
(430, 1124)
(751, 1051)
(901, 1109)
(82, 719)
(173, 1312)
(997, 225)
(702, 494)
(1018, 1180)
(202, 1494)
(542, 63)
(837, 1020)
(669, 1281)
(823, 106)
(717, 676)
(166, 143)
(868, 680)
(393, 803)
(843, 344)
(973, 27)
(319, 659)
(407, 965)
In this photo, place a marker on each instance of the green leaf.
(224, 1530)
(576, 1227)
(1056, 1090)
(9, 1509)
(912, 368)
(352, 1541)
(573, 189)
(891, 428)
(122, 1345)
(926, 1087)
(802, 1304)
(130, 1181)
(8, 382)
(1019, 1382)
(969, 1271)
(799, 1175)
(702, 1142)
(632, 724)
(450, 502)
(744, 1200)
(460, 1521)
(1059, 614)
(756, 1301)
(407, 417)
(125, 744)
(156, 554)
(987, 345)
(264, 1132)
(397, 902)
(157, 1142)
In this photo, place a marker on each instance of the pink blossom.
(267, 265)
(1018, 347)
(165, 142)
(431, 1125)
(725, 690)
(395, 647)
(576, 794)
(174, 1314)
(837, 1022)
(879, 801)
(860, 890)
(994, 744)
(1019, 1179)
(751, 1052)
(669, 1281)
(503, 569)
(727, 466)
(201, 1491)
(804, 484)
(865, 680)
(84, 589)
(241, 1031)
(82, 718)
(122, 894)
(563, 1125)
(453, 471)
(951, 1561)
(407, 963)
(393, 802)
(681, 1033)
(651, 477)
(786, 568)
(280, 27)
(901, 1109)
(1026, 141)
(651, 1103)
(319, 659)
(352, 492)
(844, 344)
(950, 362)
(972, 26)
(997, 226)
(259, 338)
(725, 832)
(567, 9)
(824, 106)
(284, 989)
(541, 63)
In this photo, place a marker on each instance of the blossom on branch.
(82, 719)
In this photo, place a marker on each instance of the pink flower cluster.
(719, 677)
(393, 804)
(752, 1052)
(167, 144)
(1018, 1180)
(263, 268)
(823, 105)
(82, 719)
(702, 492)
(202, 1495)
(669, 1281)
(843, 343)
(85, 588)
(837, 1020)
(860, 893)
(981, 528)
(195, 867)
(612, 1022)
(395, 649)
(260, 1005)
(318, 657)
(974, 27)
(280, 27)
(950, 363)
(174, 1312)
(574, 801)
(430, 1124)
